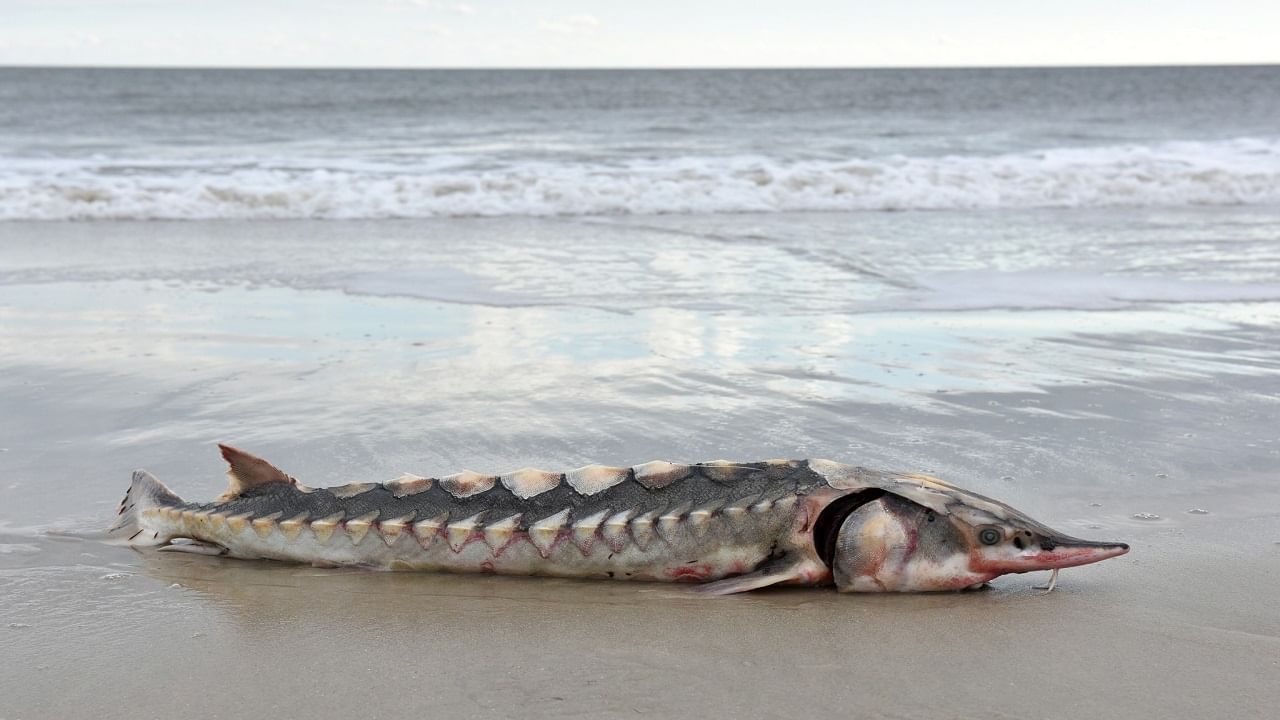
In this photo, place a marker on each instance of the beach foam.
(1230, 172)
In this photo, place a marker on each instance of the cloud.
(86, 39)
(459, 8)
(569, 25)
(435, 29)
(44, 4)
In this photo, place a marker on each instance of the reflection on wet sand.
(674, 338)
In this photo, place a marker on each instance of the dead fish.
(732, 526)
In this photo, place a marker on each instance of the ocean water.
(144, 144)
(1060, 288)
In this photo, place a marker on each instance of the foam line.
(1227, 172)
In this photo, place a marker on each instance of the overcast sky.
(635, 33)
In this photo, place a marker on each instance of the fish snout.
(1060, 552)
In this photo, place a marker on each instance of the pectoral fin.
(195, 547)
(770, 572)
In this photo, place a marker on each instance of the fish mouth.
(1063, 552)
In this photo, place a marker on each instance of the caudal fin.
(144, 492)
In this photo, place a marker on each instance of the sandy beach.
(1104, 371)
(1183, 628)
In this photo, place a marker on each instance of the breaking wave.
(1229, 172)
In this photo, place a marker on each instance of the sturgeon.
(732, 526)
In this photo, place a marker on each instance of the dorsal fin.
(248, 471)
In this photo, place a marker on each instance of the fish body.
(736, 526)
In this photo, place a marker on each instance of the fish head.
(888, 542)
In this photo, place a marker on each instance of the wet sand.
(1178, 629)
(1082, 380)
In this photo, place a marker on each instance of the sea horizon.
(642, 68)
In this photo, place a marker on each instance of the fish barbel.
(732, 526)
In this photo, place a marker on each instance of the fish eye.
(989, 536)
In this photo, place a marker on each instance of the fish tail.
(144, 493)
